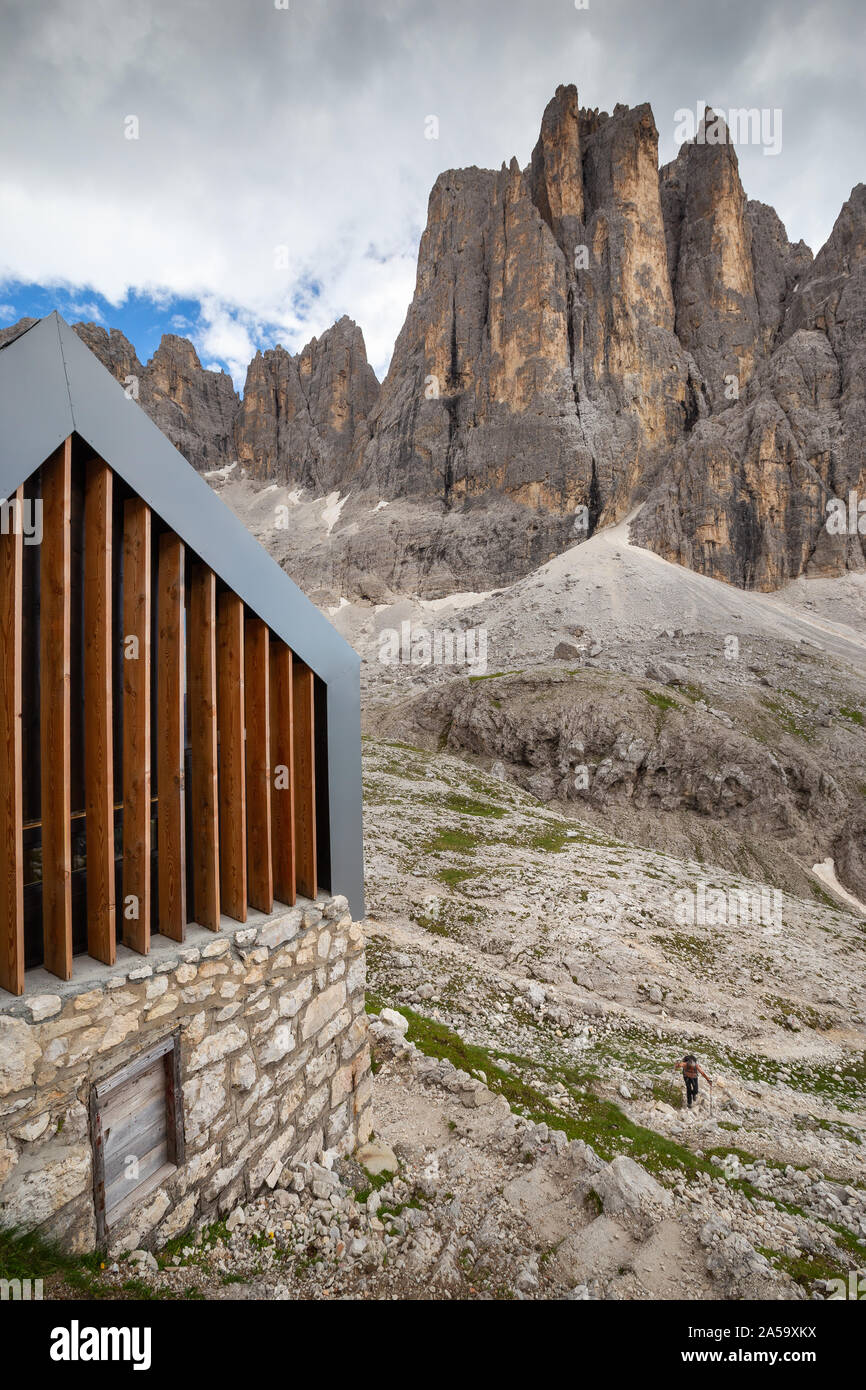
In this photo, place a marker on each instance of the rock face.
(610, 745)
(304, 418)
(592, 332)
(747, 493)
(194, 407)
(709, 247)
(538, 360)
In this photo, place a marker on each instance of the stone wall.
(275, 1067)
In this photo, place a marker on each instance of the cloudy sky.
(282, 163)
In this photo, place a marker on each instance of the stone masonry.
(274, 1063)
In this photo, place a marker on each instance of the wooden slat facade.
(282, 773)
(232, 782)
(55, 671)
(11, 817)
(304, 735)
(170, 774)
(99, 712)
(258, 764)
(201, 645)
(136, 642)
(131, 629)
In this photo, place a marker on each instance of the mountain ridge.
(588, 335)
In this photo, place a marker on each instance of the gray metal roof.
(51, 385)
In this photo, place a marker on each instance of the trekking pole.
(711, 1100)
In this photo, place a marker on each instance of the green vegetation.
(460, 841)
(804, 1269)
(553, 840)
(806, 1016)
(598, 1122)
(467, 806)
(691, 691)
(662, 702)
(788, 721)
(453, 877)
(26, 1255)
(687, 948)
(375, 1183)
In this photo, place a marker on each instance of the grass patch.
(452, 876)
(804, 1269)
(687, 948)
(468, 806)
(459, 841)
(691, 691)
(662, 702)
(787, 720)
(26, 1255)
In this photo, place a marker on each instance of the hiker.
(689, 1068)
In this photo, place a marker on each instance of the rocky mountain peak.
(709, 245)
(303, 418)
(555, 171)
(588, 337)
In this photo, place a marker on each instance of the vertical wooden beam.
(11, 819)
(232, 782)
(203, 746)
(136, 641)
(305, 777)
(171, 822)
(98, 726)
(282, 773)
(258, 760)
(54, 694)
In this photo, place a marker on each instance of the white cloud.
(305, 129)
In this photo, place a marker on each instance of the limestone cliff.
(744, 496)
(303, 418)
(538, 359)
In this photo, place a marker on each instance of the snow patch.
(826, 872)
(334, 504)
(223, 472)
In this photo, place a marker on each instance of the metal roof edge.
(40, 364)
